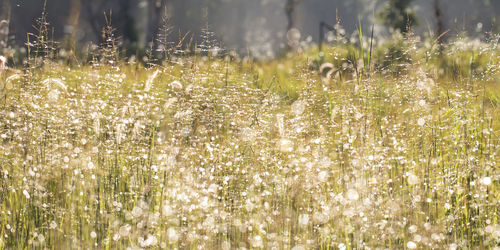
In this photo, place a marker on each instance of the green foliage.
(397, 14)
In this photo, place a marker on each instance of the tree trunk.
(73, 19)
(142, 23)
(95, 14)
(4, 22)
(136, 24)
(439, 21)
(290, 14)
(291, 18)
(157, 9)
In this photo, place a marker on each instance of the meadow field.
(394, 148)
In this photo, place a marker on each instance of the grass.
(216, 153)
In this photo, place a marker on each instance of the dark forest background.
(258, 27)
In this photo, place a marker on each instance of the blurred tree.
(439, 19)
(157, 9)
(139, 16)
(137, 20)
(4, 22)
(290, 11)
(94, 10)
(440, 32)
(495, 20)
(397, 14)
(72, 20)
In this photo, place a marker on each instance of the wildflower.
(136, 211)
(298, 107)
(167, 210)
(412, 179)
(303, 220)
(411, 245)
(124, 231)
(257, 242)
(342, 246)
(172, 235)
(486, 181)
(41, 238)
(93, 235)
(286, 145)
(352, 195)
(323, 176)
(26, 194)
(148, 242)
(421, 122)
